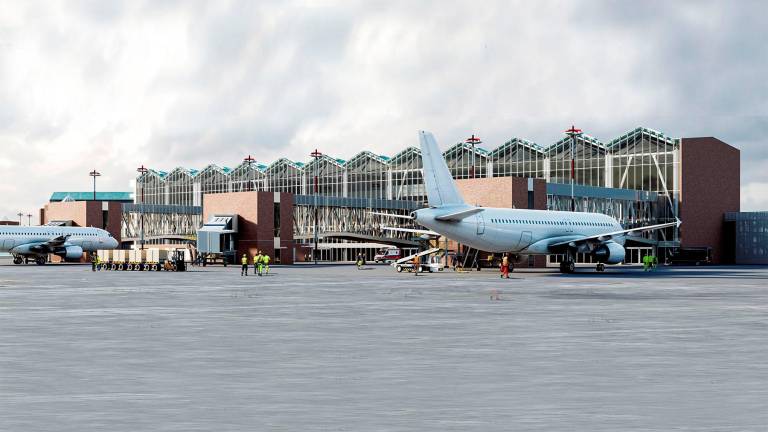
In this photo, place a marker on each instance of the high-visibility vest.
(244, 260)
(266, 259)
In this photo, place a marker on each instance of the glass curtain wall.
(518, 158)
(248, 177)
(330, 176)
(284, 175)
(407, 179)
(367, 176)
(589, 157)
(179, 187)
(465, 163)
(150, 187)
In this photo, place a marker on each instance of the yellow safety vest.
(266, 259)
(244, 260)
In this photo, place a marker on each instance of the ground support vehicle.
(430, 261)
(387, 254)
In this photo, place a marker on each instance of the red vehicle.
(387, 254)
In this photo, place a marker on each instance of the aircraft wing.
(45, 246)
(610, 235)
(412, 231)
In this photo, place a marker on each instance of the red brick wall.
(73, 210)
(286, 228)
(84, 214)
(709, 187)
(255, 221)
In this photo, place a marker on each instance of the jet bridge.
(218, 236)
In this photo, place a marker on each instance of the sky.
(111, 85)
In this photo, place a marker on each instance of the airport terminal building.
(642, 177)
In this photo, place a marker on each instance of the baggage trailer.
(144, 260)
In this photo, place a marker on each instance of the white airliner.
(66, 242)
(518, 232)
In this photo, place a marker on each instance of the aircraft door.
(568, 226)
(525, 240)
(480, 224)
(9, 244)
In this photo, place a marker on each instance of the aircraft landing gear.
(18, 260)
(600, 267)
(567, 266)
(40, 260)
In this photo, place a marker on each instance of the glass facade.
(749, 231)
(641, 159)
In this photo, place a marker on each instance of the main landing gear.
(600, 267)
(40, 260)
(18, 260)
(567, 266)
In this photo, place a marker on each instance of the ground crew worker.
(646, 262)
(416, 265)
(94, 261)
(359, 261)
(505, 267)
(244, 268)
(265, 259)
(654, 262)
(257, 263)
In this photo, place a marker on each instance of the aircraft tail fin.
(441, 190)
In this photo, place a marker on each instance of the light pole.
(19, 215)
(573, 133)
(249, 160)
(473, 141)
(317, 155)
(29, 219)
(142, 170)
(94, 174)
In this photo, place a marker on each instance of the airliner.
(517, 232)
(67, 242)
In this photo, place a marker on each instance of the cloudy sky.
(112, 85)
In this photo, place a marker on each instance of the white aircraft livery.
(66, 242)
(518, 232)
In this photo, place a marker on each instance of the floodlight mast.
(249, 160)
(317, 155)
(473, 141)
(573, 133)
(94, 174)
(142, 170)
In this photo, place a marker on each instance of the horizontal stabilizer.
(459, 215)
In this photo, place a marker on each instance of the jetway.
(218, 237)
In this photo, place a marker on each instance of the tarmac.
(334, 348)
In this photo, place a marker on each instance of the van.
(387, 254)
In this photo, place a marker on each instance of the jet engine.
(610, 253)
(70, 252)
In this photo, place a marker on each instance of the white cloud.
(112, 85)
(754, 197)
